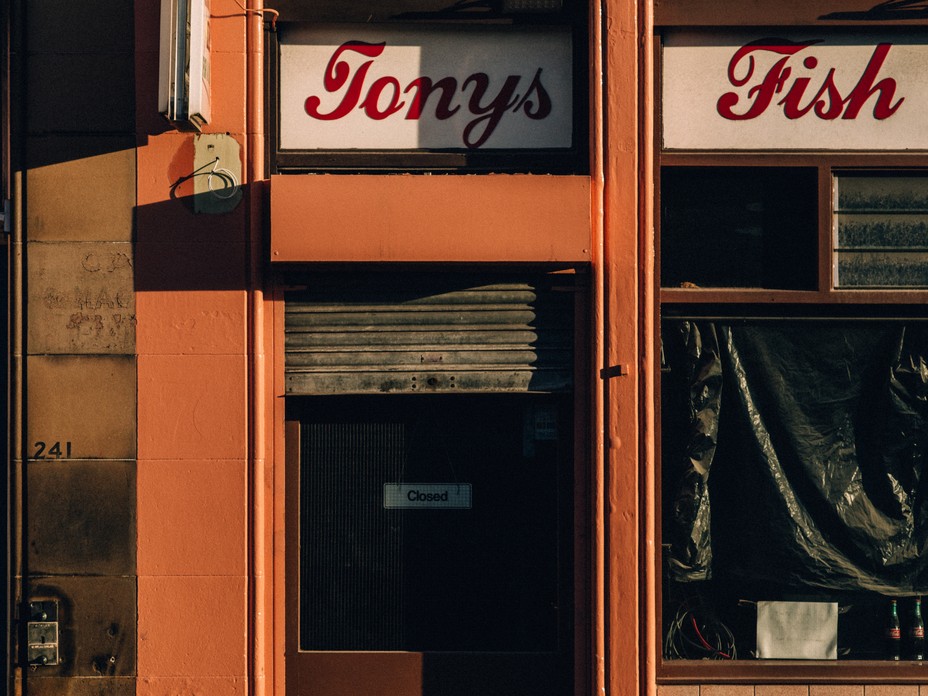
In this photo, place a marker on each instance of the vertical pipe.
(6, 194)
(254, 158)
(13, 521)
(650, 543)
(598, 569)
(13, 186)
(15, 462)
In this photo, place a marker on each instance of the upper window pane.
(881, 230)
(739, 227)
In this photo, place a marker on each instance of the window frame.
(825, 300)
(828, 165)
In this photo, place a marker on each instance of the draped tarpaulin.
(794, 452)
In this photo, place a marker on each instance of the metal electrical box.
(42, 633)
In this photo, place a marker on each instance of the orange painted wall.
(193, 389)
(486, 217)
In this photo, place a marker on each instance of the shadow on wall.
(890, 10)
(178, 248)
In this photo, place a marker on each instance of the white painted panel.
(794, 91)
(355, 87)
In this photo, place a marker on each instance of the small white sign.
(383, 87)
(797, 630)
(794, 91)
(427, 495)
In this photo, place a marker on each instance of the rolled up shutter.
(430, 333)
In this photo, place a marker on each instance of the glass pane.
(881, 230)
(739, 227)
(435, 524)
(882, 269)
(792, 458)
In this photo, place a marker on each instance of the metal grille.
(431, 334)
(351, 560)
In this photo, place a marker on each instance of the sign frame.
(570, 159)
(786, 90)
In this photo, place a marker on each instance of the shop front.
(430, 266)
(791, 189)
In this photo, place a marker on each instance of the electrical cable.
(263, 11)
(696, 634)
(229, 182)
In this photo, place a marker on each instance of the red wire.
(704, 642)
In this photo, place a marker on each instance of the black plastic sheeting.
(794, 452)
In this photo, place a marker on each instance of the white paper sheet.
(797, 630)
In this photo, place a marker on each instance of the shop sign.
(427, 495)
(794, 91)
(388, 88)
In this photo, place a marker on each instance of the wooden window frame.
(825, 300)
(828, 166)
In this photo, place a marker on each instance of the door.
(430, 545)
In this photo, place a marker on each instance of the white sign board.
(377, 87)
(427, 495)
(794, 91)
(797, 630)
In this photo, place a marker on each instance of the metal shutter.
(430, 333)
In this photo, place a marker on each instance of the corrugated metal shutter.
(430, 333)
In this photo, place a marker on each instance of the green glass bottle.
(917, 632)
(893, 633)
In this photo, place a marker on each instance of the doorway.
(430, 544)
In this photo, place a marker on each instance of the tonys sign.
(806, 92)
(363, 87)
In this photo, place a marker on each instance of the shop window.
(792, 244)
(794, 432)
(793, 459)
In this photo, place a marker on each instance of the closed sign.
(370, 87)
(427, 495)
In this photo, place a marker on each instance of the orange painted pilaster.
(194, 372)
(624, 348)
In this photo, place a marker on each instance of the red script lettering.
(826, 103)
(385, 97)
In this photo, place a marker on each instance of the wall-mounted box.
(184, 63)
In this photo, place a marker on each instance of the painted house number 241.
(53, 450)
